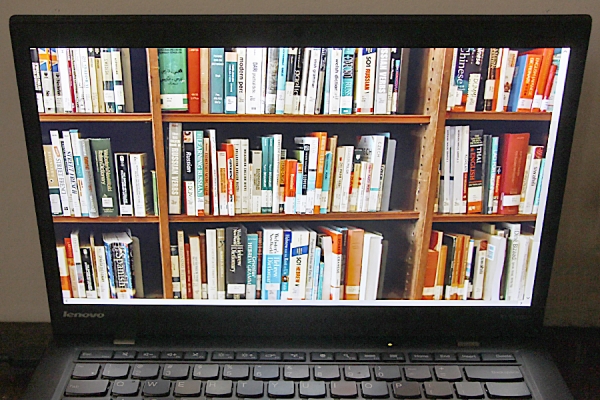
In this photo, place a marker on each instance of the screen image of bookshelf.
(366, 176)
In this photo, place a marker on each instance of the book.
(306, 66)
(104, 177)
(52, 179)
(47, 79)
(193, 79)
(117, 70)
(214, 183)
(475, 176)
(88, 272)
(286, 268)
(512, 157)
(99, 80)
(241, 80)
(371, 266)
(493, 57)
(496, 252)
(175, 171)
(373, 146)
(299, 248)
(72, 187)
(251, 265)
(175, 279)
(467, 75)
(311, 177)
(297, 89)
(101, 268)
(183, 275)
(386, 190)
(123, 172)
(37, 79)
(211, 263)
(173, 79)
(221, 261)
(63, 56)
(336, 261)
(270, 83)
(290, 72)
(544, 77)
(223, 183)
(118, 251)
(511, 275)
(141, 185)
(380, 102)
(253, 79)
(88, 178)
(199, 173)
(272, 258)
(217, 80)
(291, 169)
(530, 180)
(312, 80)
(230, 80)
(266, 174)
(63, 269)
(236, 261)
(354, 263)
(204, 80)
(136, 268)
(82, 188)
(347, 81)
(203, 266)
(365, 68)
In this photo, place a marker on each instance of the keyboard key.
(96, 355)
(266, 372)
(206, 371)
(443, 357)
(124, 355)
(171, 355)
(125, 388)
(148, 355)
(194, 356)
(387, 373)
(507, 390)
(438, 390)
(250, 389)
(343, 389)
(187, 388)
(219, 388)
(269, 356)
(469, 390)
(296, 372)
(87, 388)
(368, 357)
(321, 356)
(371, 390)
(235, 372)
(498, 357)
(357, 373)
(85, 371)
(421, 357)
(281, 389)
(406, 390)
(469, 357)
(115, 371)
(145, 371)
(223, 356)
(327, 372)
(246, 356)
(344, 356)
(294, 356)
(447, 373)
(493, 373)
(393, 357)
(312, 389)
(156, 388)
(175, 371)
(418, 373)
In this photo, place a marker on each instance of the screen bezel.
(300, 30)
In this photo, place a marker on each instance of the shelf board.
(483, 218)
(499, 116)
(311, 119)
(96, 117)
(347, 216)
(106, 220)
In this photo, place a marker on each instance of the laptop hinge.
(467, 343)
(124, 341)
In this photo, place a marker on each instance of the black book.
(236, 243)
(480, 104)
(88, 272)
(124, 184)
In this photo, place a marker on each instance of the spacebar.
(92, 398)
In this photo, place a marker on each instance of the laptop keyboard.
(167, 375)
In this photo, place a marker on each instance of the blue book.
(517, 83)
(251, 266)
(321, 277)
(231, 66)
(266, 181)
(538, 187)
(281, 80)
(493, 203)
(217, 81)
(325, 192)
(285, 267)
(272, 262)
(347, 80)
(315, 277)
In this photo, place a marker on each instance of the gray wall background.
(575, 292)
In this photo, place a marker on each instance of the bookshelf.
(420, 137)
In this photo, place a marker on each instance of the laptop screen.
(282, 173)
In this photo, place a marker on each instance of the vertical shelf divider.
(161, 173)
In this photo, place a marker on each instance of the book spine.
(299, 249)
(288, 107)
(207, 175)
(105, 177)
(217, 80)
(534, 177)
(37, 80)
(231, 177)
(281, 80)
(61, 173)
(99, 256)
(335, 86)
(297, 91)
(237, 165)
(512, 159)
(204, 80)
(175, 279)
(70, 168)
(99, 80)
(253, 79)
(221, 257)
(286, 269)
(117, 70)
(88, 273)
(56, 81)
(312, 80)
(183, 277)
(78, 267)
(203, 266)
(107, 83)
(173, 79)
(74, 279)
(272, 260)
(299, 206)
(88, 173)
(214, 183)
(347, 84)
(236, 262)
(93, 80)
(200, 171)
(175, 149)
(78, 161)
(381, 80)
(274, 172)
(264, 54)
(231, 75)
(193, 79)
(140, 184)
(490, 82)
(52, 180)
(366, 59)
(124, 184)
(222, 173)
(291, 169)
(475, 179)
(538, 188)
(65, 80)
(267, 160)
(256, 183)
(251, 266)
(327, 174)
(47, 79)
(211, 263)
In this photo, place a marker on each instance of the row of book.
(504, 79)
(110, 270)
(491, 263)
(278, 263)
(82, 80)
(85, 179)
(315, 177)
(282, 80)
(489, 174)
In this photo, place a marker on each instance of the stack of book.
(82, 80)
(84, 179)
(488, 174)
(504, 79)
(278, 263)
(282, 80)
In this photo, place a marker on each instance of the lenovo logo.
(82, 315)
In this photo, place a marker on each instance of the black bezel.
(300, 30)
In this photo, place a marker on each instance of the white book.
(537, 152)
(207, 175)
(175, 280)
(465, 164)
(312, 243)
(335, 81)
(237, 165)
(82, 188)
(346, 178)
(195, 263)
(364, 88)
(47, 80)
(70, 168)
(214, 177)
(371, 266)
(99, 79)
(313, 158)
(253, 79)
(183, 278)
(337, 179)
(465, 291)
(77, 80)
(88, 174)
(102, 272)
(272, 262)
(496, 252)
(524, 244)
(83, 72)
(364, 185)
(532, 257)
(525, 182)
(107, 83)
(306, 56)
(511, 264)
(479, 266)
(288, 107)
(211, 263)
(263, 80)
(313, 80)
(63, 269)
(452, 89)
(445, 182)
(82, 294)
(140, 184)
(61, 173)
(63, 68)
(382, 78)
(298, 264)
(373, 146)
(93, 80)
(326, 245)
(256, 181)
(501, 78)
(276, 174)
(117, 76)
(175, 138)
(241, 80)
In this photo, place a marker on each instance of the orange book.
(354, 253)
(435, 244)
(530, 78)
(441, 272)
(289, 191)
(229, 150)
(320, 168)
(71, 267)
(63, 267)
(336, 257)
(547, 54)
(502, 52)
(204, 80)
(430, 275)
(463, 267)
(193, 70)
(512, 157)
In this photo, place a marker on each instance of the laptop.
(258, 207)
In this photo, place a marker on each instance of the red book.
(512, 157)
(259, 265)
(193, 68)
(547, 55)
(229, 150)
(188, 272)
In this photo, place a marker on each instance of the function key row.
(295, 356)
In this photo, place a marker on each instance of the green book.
(266, 181)
(231, 67)
(172, 66)
(217, 82)
(104, 177)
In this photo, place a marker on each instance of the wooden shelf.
(308, 119)
(106, 220)
(499, 116)
(104, 117)
(483, 218)
(357, 216)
